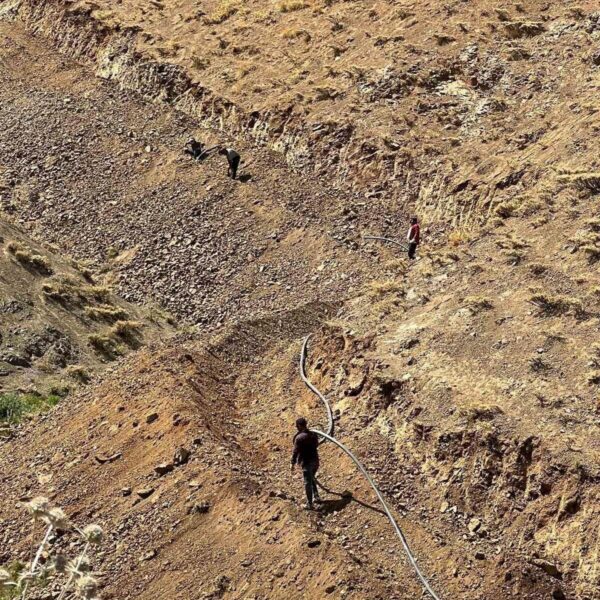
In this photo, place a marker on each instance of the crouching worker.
(233, 160)
(195, 149)
(306, 454)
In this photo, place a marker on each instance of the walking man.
(233, 160)
(306, 454)
(413, 237)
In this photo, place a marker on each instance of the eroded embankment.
(526, 509)
(477, 127)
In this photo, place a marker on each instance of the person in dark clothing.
(233, 160)
(195, 149)
(306, 454)
(413, 237)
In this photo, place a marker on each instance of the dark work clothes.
(233, 158)
(196, 149)
(306, 444)
(412, 249)
(310, 484)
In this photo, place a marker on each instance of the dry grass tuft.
(225, 10)
(557, 305)
(458, 237)
(585, 182)
(105, 345)
(78, 373)
(128, 331)
(286, 6)
(107, 313)
(378, 289)
(477, 304)
(33, 262)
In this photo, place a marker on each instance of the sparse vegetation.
(127, 330)
(225, 10)
(78, 373)
(458, 237)
(15, 407)
(586, 182)
(70, 290)
(105, 345)
(18, 579)
(557, 305)
(382, 288)
(286, 6)
(477, 304)
(25, 256)
(105, 312)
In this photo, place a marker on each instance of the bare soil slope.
(467, 381)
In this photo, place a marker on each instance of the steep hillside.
(459, 105)
(58, 324)
(467, 381)
(103, 175)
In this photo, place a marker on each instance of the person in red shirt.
(413, 237)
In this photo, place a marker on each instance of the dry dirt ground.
(468, 382)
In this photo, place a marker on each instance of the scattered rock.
(151, 418)
(145, 493)
(181, 456)
(313, 543)
(149, 555)
(163, 469)
(126, 491)
(479, 555)
(107, 459)
(200, 508)
(474, 525)
(547, 566)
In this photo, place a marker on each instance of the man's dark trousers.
(310, 485)
(412, 249)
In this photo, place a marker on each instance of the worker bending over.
(233, 160)
(306, 454)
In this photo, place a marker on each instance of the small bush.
(129, 331)
(505, 210)
(286, 6)
(477, 304)
(586, 182)
(537, 269)
(458, 236)
(105, 345)
(557, 305)
(382, 288)
(592, 252)
(78, 373)
(15, 407)
(69, 290)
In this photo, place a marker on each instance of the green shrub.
(15, 407)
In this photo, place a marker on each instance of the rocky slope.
(467, 382)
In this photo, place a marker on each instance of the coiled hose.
(329, 437)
